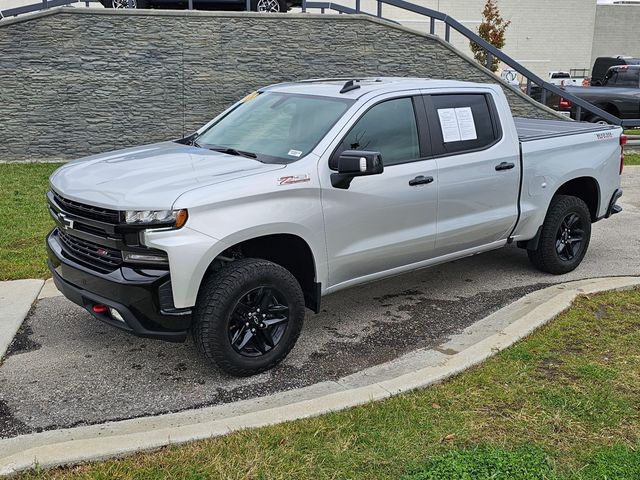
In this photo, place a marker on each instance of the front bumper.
(140, 295)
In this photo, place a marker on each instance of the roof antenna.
(349, 85)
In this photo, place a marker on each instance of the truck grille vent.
(87, 211)
(97, 256)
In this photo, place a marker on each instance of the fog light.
(152, 257)
(116, 315)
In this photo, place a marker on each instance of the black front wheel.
(117, 4)
(565, 236)
(269, 6)
(248, 316)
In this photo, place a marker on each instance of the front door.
(384, 221)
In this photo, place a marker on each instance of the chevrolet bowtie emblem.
(66, 222)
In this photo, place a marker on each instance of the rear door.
(478, 171)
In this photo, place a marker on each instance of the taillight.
(564, 103)
(623, 141)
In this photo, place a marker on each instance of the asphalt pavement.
(65, 368)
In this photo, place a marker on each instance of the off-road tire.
(546, 257)
(216, 301)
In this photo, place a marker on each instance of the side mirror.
(356, 163)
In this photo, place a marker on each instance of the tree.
(492, 30)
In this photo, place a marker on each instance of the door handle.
(505, 166)
(420, 180)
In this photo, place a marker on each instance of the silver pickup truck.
(302, 189)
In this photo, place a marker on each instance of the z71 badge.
(291, 179)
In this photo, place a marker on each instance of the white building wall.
(617, 31)
(544, 34)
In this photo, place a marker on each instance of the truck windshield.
(274, 127)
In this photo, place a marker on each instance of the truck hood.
(149, 177)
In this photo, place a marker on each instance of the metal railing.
(43, 5)
(580, 106)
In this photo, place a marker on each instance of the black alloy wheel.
(570, 237)
(259, 321)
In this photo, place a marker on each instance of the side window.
(389, 128)
(460, 123)
(628, 78)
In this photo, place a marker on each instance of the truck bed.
(536, 129)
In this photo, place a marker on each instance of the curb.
(415, 370)
(16, 298)
(49, 290)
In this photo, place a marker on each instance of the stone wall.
(80, 81)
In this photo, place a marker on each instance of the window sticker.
(466, 124)
(294, 153)
(449, 125)
(457, 124)
(250, 97)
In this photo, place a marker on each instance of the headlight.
(174, 218)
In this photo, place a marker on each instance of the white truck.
(562, 79)
(303, 189)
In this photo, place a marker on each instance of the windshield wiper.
(233, 151)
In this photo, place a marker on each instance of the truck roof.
(355, 87)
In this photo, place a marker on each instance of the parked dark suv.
(602, 65)
(274, 6)
(618, 94)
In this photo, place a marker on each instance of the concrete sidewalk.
(16, 299)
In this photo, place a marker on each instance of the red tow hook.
(100, 308)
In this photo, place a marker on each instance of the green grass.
(24, 221)
(631, 158)
(487, 463)
(562, 404)
(632, 131)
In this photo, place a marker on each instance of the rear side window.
(389, 128)
(461, 123)
(624, 78)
